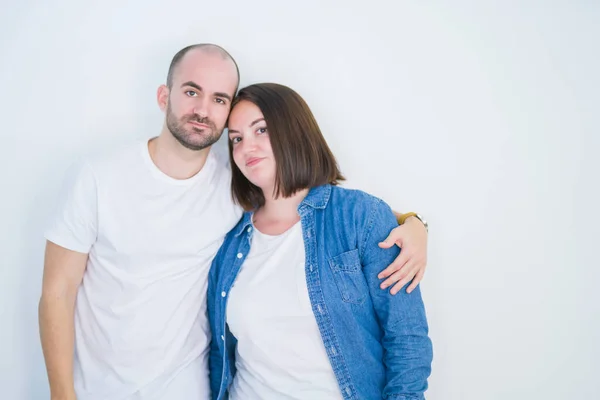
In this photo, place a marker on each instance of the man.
(122, 312)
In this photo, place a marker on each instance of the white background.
(482, 116)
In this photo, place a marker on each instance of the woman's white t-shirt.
(279, 354)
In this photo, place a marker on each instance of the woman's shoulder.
(355, 198)
(357, 214)
(356, 207)
(234, 233)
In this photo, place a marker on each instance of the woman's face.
(252, 152)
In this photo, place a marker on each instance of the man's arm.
(63, 272)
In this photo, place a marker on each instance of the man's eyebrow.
(230, 131)
(192, 84)
(221, 94)
(199, 88)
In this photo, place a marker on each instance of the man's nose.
(201, 108)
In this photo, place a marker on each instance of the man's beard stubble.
(192, 138)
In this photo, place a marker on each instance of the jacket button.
(239, 255)
(223, 294)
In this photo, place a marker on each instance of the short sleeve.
(75, 220)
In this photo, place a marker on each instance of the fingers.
(408, 266)
(395, 237)
(411, 272)
(416, 281)
(385, 244)
(398, 276)
(404, 278)
(397, 265)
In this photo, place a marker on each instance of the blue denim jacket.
(377, 343)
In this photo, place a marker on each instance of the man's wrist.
(404, 217)
(69, 396)
(66, 392)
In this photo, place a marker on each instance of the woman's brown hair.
(301, 153)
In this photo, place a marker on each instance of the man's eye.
(220, 101)
(191, 93)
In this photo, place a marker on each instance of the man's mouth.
(199, 125)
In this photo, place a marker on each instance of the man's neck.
(175, 160)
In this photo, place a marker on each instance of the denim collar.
(317, 198)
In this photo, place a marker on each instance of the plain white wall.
(483, 117)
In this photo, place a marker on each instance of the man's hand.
(410, 265)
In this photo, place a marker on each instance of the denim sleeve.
(215, 358)
(407, 348)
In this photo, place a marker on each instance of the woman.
(294, 300)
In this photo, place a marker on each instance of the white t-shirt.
(279, 354)
(141, 330)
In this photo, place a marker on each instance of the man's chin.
(196, 141)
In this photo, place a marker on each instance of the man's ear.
(162, 97)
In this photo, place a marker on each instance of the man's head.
(201, 84)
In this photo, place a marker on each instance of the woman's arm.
(407, 347)
(215, 358)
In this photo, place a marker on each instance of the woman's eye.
(262, 130)
(235, 140)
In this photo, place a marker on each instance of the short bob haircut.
(302, 157)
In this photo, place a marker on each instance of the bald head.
(207, 49)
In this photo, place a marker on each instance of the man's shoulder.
(119, 156)
(98, 162)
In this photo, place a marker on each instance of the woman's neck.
(278, 215)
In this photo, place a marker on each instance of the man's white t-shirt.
(141, 330)
(279, 353)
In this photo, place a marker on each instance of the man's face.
(200, 98)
